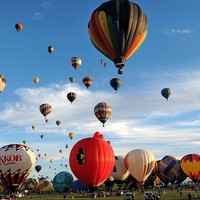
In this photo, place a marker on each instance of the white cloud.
(37, 16)
(174, 31)
(142, 119)
(45, 4)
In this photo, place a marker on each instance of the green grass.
(168, 196)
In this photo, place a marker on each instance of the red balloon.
(92, 160)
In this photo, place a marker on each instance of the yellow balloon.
(36, 80)
(71, 135)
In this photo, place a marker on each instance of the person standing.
(64, 196)
(189, 196)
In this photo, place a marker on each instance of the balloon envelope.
(19, 27)
(2, 83)
(117, 29)
(92, 160)
(17, 161)
(140, 163)
(166, 93)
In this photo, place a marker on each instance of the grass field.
(168, 196)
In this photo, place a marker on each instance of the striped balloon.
(140, 163)
(45, 109)
(102, 111)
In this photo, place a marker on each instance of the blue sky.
(141, 117)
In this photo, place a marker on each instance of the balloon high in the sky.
(72, 79)
(102, 111)
(87, 81)
(117, 29)
(140, 163)
(38, 168)
(45, 109)
(71, 135)
(50, 49)
(76, 62)
(115, 83)
(17, 161)
(92, 160)
(36, 80)
(2, 83)
(19, 27)
(71, 96)
(166, 92)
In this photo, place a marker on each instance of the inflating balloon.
(17, 161)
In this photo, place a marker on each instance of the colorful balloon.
(62, 180)
(87, 81)
(19, 27)
(92, 160)
(169, 167)
(102, 111)
(190, 165)
(2, 83)
(117, 29)
(17, 161)
(71, 96)
(115, 83)
(45, 109)
(140, 163)
(76, 62)
(166, 93)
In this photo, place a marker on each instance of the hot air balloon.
(190, 165)
(169, 167)
(66, 146)
(92, 160)
(44, 186)
(2, 83)
(120, 171)
(62, 180)
(45, 109)
(166, 93)
(87, 81)
(36, 80)
(41, 136)
(50, 49)
(58, 122)
(75, 62)
(72, 79)
(102, 111)
(60, 150)
(115, 83)
(29, 184)
(38, 168)
(19, 27)
(33, 127)
(71, 96)
(17, 161)
(140, 164)
(117, 29)
(24, 141)
(71, 135)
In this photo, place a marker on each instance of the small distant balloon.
(75, 62)
(50, 49)
(41, 136)
(115, 83)
(72, 79)
(36, 80)
(87, 81)
(2, 83)
(33, 127)
(24, 141)
(19, 27)
(166, 92)
(66, 146)
(71, 135)
(71, 96)
(58, 122)
(45, 109)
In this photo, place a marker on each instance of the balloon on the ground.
(2, 187)
(78, 185)
(29, 184)
(17, 161)
(62, 181)
(140, 163)
(92, 160)
(44, 186)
